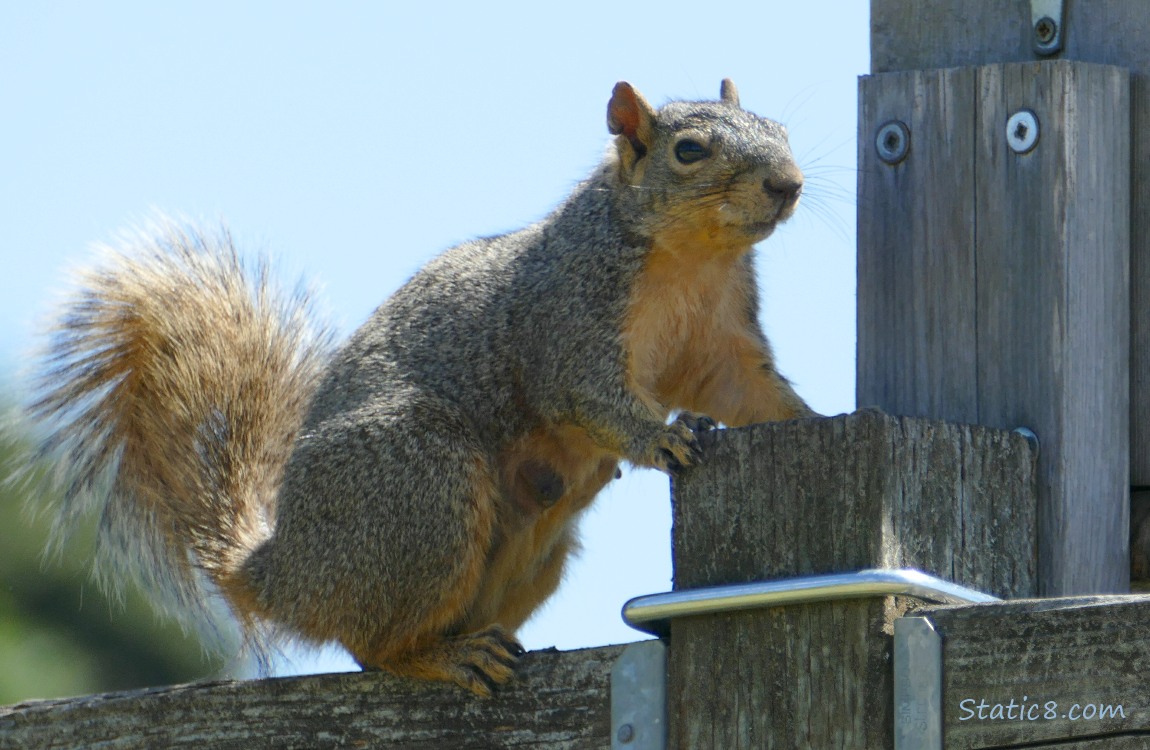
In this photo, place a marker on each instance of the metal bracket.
(917, 685)
(653, 613)
(639, 697)
(1046, 25)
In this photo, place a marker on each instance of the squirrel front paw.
(697, 423)
(678, 445)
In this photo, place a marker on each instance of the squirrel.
(413, 494)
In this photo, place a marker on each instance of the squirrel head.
(701, 173)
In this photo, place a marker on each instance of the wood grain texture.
(857, 491)
(1139, 741)
(922, 34)
(1140, 540)
(807, 676)
(822, 496)
(917, 270)
(1064, 652)
(1001, 294)
(1053, 295)
(559, 701)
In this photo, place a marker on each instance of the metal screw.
(1022, 131)
(1047, 40)
(892, 142)
(1045, 31)
(626, 733)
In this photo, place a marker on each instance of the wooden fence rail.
(560, 701)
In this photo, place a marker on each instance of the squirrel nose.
(786, 188)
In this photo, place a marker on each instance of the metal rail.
(653, 613)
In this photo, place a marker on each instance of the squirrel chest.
(687, 313)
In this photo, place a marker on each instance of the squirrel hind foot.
(479, 662)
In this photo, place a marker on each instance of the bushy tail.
(170, 396)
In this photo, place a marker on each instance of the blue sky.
(352, 141)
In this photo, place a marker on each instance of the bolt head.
(1022, 131)
(626, 733)
(892, 142)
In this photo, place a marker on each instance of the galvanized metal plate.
(639, 697)
(917, 685)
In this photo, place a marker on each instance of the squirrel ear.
(629, 115)
(728, 93)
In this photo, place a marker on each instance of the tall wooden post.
(994, 245)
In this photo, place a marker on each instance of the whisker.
(807, 160)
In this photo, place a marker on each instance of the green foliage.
(59, 634)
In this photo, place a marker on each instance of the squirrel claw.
(677, 448)
(488, 660)
(697, 423)
(671, 465)
(479, 662)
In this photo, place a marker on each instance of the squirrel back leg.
(550, 476)
(385, 524)
(478, 660)
(521, 600)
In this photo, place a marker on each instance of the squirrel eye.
(689, 151)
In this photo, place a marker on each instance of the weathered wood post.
(831, 496)
(994, 242)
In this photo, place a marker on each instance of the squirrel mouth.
(760, 229)
(763, 228)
